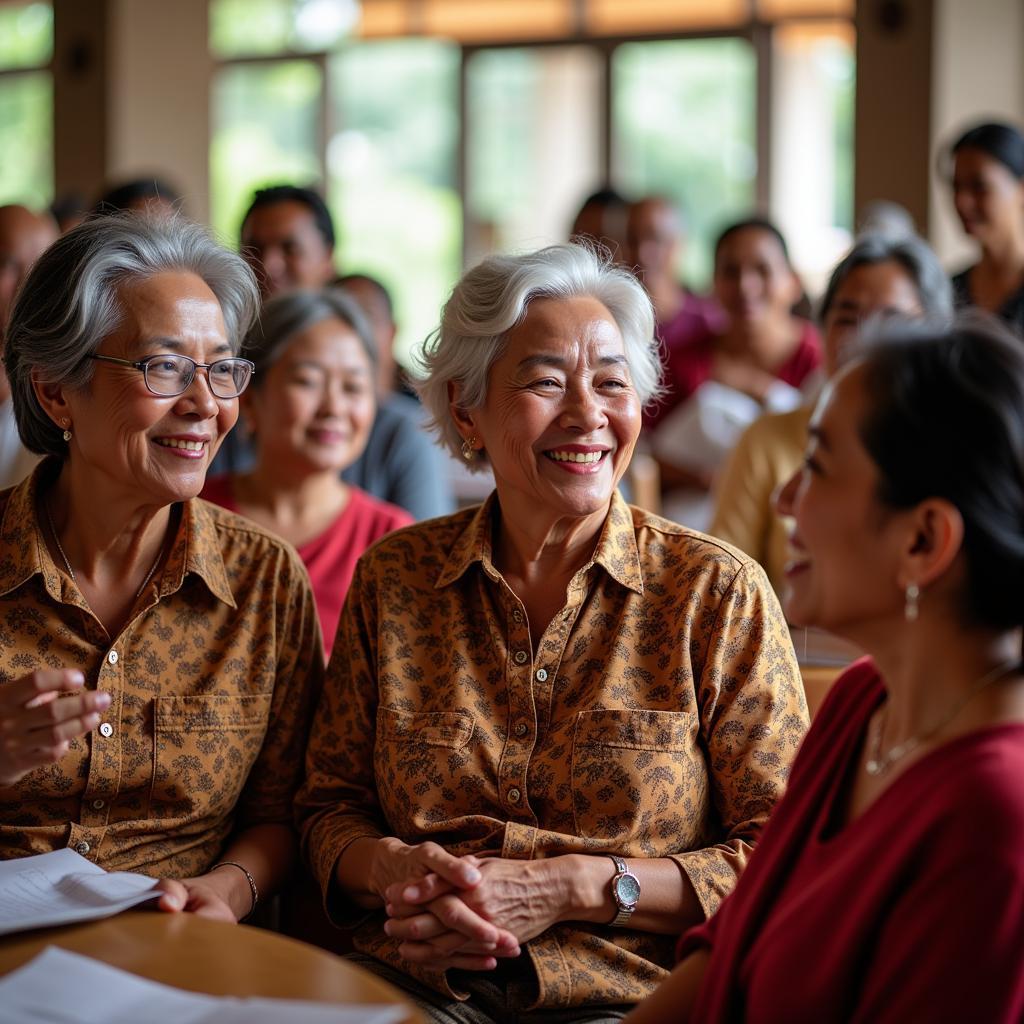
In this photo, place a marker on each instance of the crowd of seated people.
(547, 757)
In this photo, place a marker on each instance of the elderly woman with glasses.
(160, 654)
(553, 725)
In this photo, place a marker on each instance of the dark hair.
(1000, 141)
(916, 258)
(294, 194)
(945, 420)
(376, 285)
(756, 224)
(606, 196)
(293, 312)
(121, 197)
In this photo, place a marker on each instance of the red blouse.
(914, 911)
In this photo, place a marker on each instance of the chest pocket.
(204, 749)
(418, 760)
(634, 773)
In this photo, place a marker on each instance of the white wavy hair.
(493, 297)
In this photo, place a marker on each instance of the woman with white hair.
(159, 655)
(554, 724)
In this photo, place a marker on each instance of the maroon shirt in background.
(912, 912)
(688, 366)
(330, 559)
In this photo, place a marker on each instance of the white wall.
(977, 74)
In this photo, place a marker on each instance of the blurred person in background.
(24, 236)
(150, 196)
(654, 245)
(400, 464)
(880, 277)
(721, 382)
(988, 193)
(309, 411)
(287, 237)
(602, 220)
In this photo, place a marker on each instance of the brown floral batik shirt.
(213, 681)
(658, 718)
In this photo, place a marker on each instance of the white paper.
(59, 987)
(62, 888)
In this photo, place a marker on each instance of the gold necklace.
(67, 564)
(879, 763)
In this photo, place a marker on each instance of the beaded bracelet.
(248, 877)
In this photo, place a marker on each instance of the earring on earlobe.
(67, 430)
(469, 449)
(910, 607)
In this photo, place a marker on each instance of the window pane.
(612, 17)
(251, 28)
(683, 117)
(392, 159)
(26, 35)
(533, 144)
(812, 144)
(26, 139)
(265, 132)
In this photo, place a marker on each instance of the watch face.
(627, 889)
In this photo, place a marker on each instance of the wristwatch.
(625, 892)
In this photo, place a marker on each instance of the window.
(441, 130)
(26, 104)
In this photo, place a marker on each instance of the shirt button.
(521, 657)
(542, 675)
(106, 730)
(522, 729)
(517, 615)
(82, 848)
(514, 796)
(112, 657)
(98, 805)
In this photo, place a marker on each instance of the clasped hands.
(464, 912)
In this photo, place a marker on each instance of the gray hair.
(492, 298)
(69, 304)
(289, 314)
(914, 255)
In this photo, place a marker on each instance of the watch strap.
(624, 911)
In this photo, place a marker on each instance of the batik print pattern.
(213, 681)
(658, 718)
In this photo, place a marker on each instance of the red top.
(688, 366)
(914, 911)
(331, 558)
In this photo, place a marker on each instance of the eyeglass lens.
(171, 375)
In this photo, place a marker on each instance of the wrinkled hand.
(37, 724)
(204, 896)
(519, 899)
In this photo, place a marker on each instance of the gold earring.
(469, 449)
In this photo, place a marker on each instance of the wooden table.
(218, 959)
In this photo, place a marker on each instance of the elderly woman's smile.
(562, 415)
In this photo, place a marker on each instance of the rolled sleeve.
(753, 716)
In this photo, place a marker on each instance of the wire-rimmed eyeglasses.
(170, 375)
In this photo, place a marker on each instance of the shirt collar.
(616, 550)
(24, 552)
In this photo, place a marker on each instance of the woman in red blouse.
(889, 882)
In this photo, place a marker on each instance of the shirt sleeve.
(753, 718)
(743, 499)
(269, 793)
(338, 802)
